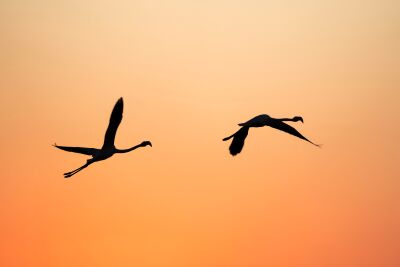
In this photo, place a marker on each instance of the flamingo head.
(298, 118)
(146, 143)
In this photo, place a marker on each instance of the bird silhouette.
(108, 149)
(259, 121)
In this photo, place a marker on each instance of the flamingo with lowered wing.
(259, 121)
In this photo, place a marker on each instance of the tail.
(227, 138)
(238, 140)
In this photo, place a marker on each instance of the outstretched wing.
(287, 129)
(238, 140)
(115, 120)
(257, 121)
(81, 150)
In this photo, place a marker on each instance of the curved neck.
(128, 149)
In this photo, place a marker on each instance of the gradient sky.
(189, 71)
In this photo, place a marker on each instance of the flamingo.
(259, 121)
(108, 149)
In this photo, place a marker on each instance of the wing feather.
(81, 150)
(279, 125)
(115, 120)
(238, 140)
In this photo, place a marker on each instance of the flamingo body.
(108, 149)
(260, 121)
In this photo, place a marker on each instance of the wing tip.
(118, 107)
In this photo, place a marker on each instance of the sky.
(189, 71)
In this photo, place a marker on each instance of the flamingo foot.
(68, 174)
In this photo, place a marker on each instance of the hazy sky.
(189, 71)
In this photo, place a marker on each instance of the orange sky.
(189, 71)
